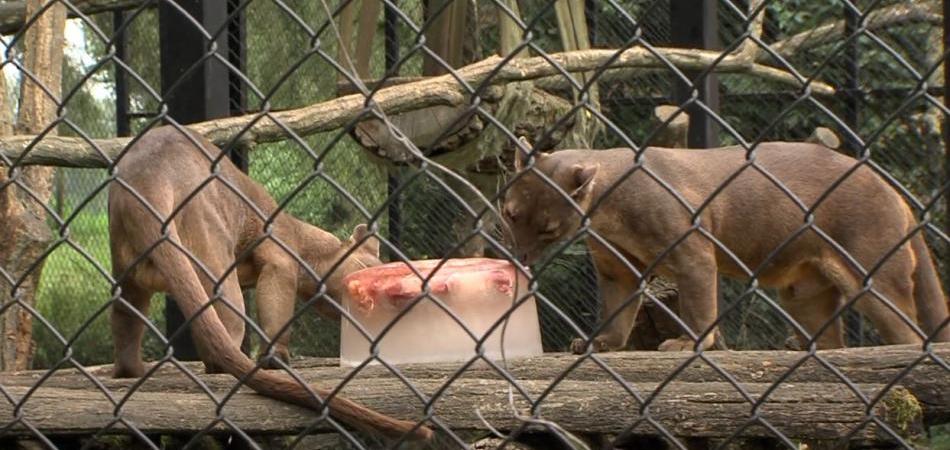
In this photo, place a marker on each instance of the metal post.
(695, 24)
(946, 120)
(592, 15)
(122, 124)
(202, 95)
(852, 106)
(392, 181)
(237, 92)
(852, 94)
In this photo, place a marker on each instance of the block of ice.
(478, 291)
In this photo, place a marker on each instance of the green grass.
(71, 297)
(73, 293)
(939, 438)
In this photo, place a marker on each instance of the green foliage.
(939, 438)
(284, 167)
(73, 291)
(288, 66)
(792, 16)
(143, 59)
(569, 284)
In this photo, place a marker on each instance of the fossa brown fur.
(217, 227)
(752, 217)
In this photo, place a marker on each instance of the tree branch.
(441, 90)
(900, 14)
(810, 403)
(12, 13)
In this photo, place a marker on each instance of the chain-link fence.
(822, 225)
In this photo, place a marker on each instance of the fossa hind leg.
(128, 329)
(893, 282)
(889, 324)
(812, 309)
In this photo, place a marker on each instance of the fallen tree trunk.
(811, 403)
(814, 411)
(442, 90)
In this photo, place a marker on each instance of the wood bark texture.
(824, 136)
(813, 403)
(25, 234)
(333, 114)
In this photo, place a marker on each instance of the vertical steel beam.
(695, 24)
(392, 181)
(123, 126)
(195, 87)
(237, 90)
(852, 117)
(946, 120)
(852, 93)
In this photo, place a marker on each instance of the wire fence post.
(237, 57)
(394, 211)
(946, 120)
(122, 122)
(853, 97)
(697, 26)
(203, 94)
(825, 65)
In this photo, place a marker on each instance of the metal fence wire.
(676, 177)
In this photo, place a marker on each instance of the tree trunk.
(811, 402)
(22, 214)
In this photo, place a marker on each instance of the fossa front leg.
(619, 307)
(697, 280)
(276, 298)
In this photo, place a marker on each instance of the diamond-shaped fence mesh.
(580, 205)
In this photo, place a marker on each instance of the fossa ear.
(521, 154)
(361, 232)
(581, 180)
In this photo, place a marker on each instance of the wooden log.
(872, 365)
(824, 136)
(481, 385)
(441, 90)
(821, 411)
(673, 134)
(433, 130)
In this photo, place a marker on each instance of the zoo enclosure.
(874, 58)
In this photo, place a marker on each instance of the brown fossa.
(163, 170)
(752, 217)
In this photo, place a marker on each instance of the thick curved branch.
(12, 14)
(441, 90)
(900, 14)
(750, 48)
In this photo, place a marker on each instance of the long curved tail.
(213, 338)
(932, 308)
